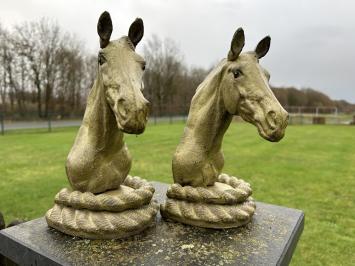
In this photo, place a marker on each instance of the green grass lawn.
(312, 169)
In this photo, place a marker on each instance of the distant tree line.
(43, 70)
(310, 98)
(47, 71)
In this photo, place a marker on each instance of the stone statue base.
(270, 239)
(226, 204)
(113, 214)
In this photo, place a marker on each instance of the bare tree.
(163, 70)
(3, 58)
(70, 63)
(191, 79)
(90, 71)
(16, 72)
(76, 74)
(39, 43)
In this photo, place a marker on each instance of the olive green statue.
(202, 195)
(104, 202)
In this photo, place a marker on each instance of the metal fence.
(55, 121)
(311, 119)
(51, 122)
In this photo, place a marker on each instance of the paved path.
(14, 125)
(40, 124)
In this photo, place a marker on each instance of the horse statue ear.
(237, 44)
(136, 31)
(263, 47)
(104, 29)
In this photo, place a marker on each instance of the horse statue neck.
(208, 119)
(198, 159)
(100, 120)
(99, 159)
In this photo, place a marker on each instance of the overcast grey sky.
(312, 42)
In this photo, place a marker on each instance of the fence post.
(2, 124)
(155, 118)
(49, 123)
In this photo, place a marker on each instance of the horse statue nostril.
(271, 113)
(142, 113)
(271, 119)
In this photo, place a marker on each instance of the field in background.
(312, 169)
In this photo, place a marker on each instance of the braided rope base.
(208, 215)
(227, 190)
(110, 215)
(226, 204)
(101, 225)
(133, 193)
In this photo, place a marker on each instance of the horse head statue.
(203, 196)
(238, 85)
(99, 159)
(121, 72)
(246, 90)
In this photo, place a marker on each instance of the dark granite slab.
(269, 240)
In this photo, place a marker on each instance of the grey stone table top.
(270, 239)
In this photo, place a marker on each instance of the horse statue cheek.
(104, 202)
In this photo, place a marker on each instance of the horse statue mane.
(238, 85)
(105, 202)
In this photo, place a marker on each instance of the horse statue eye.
(143, 67)
(102, 59)
(237, 73)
